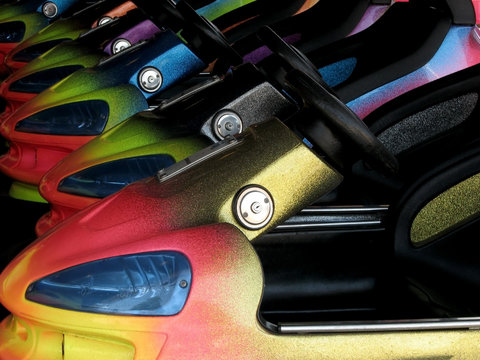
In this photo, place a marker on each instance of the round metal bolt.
(150, 79)
(104, 19)
(256, 208)
(183, 284)
(50, 9)
(253, 207)
(119, 45)
(227, 123)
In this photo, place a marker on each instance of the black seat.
(423, 263)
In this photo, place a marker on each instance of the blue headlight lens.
(79, 118)
(39, 81)
(105, 179)
(152, 284)
(12, 31)
(34, 51)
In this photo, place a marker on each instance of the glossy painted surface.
(143, 31)
(19, 8)
(118, 11)
(161, 131)
(64, 54)
(459, 50)
(62, 29)
(139, 135)
(114, 81)
(82, 54)
(30, 157)
(459, 37)
(449, 210)
(220, 318)
(30, 13)
(34, 22)
(220, 7)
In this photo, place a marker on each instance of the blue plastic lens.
(39, 81)
(338, 72)
(152, 284)
(32, 52)
(79, 118)
(102, 180)
(12, 31)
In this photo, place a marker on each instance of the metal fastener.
(104, 19)
(50, 9)
(119, 45)
(227, 123)
(150, 79)
(253, 207)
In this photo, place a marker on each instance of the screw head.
(150, 79)
(103, 20)
(227, 123)
(49, 9)
(253, 207)
(119, 45)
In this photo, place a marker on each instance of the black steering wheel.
(303, 77)
(342, 120)
(291, 56)
(205, 38)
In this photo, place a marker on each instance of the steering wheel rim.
(343, 120)
(289, 54)
(208, 31)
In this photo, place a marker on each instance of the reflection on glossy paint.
(458, 51)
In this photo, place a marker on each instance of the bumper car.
(24, 18)
(184, 264)
(185, 123)
(71, 28)
(133, 75)
(64, 29)
(69, 56)
(106, 83)
(87, 50)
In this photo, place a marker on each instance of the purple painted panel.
(142, 31)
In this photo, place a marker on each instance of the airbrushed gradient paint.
(67, 29)
(64, 54)
(118, 11)
(63, 205)
(219, 321)
(459, 50)
(142, 31)
(114, 81)
(371, 15)
(8, 11)
(139, 135)
(30, 157)
(68, 54)
(220, 318)
(62, 6)
(63, 28)
(218, 8)
(34, 22)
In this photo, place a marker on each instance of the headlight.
(12, 31)
(154, 284)
(105, 179)
(79, 118)
(41, 80)
(34, 51)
